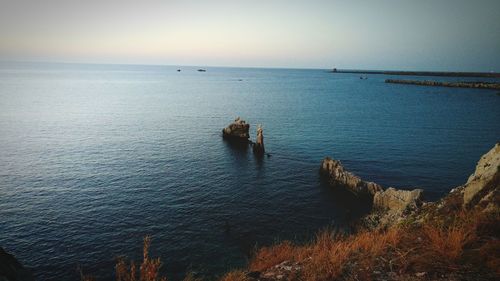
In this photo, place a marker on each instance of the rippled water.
(95, 157)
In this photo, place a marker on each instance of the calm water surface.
(95, 157)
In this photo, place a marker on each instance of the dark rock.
(12, 270)
(237, 131)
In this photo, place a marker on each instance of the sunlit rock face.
(397, 200)
(482, 186)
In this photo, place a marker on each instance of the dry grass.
(266, 257)
(148, 270)
(236, 275)
(327, 257)
(330, 255)
(490, 254)
(437, 246)
(447, 242)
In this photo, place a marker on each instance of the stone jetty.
(477, 85)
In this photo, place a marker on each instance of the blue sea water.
(95, 157)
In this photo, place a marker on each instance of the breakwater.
(479, 85)
(421, 73)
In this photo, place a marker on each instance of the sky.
(442, 35)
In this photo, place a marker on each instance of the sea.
(93, 158)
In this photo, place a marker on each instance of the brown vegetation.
(458, 244)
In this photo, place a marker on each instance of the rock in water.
(258, 146)
(391, 200)
(12, 270)
(338, 176)
(237, 131)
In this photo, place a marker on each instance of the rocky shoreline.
(468, 215)
(476, 85)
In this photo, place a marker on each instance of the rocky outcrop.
(238, 131)
(426, 227)
(390, 201)
(11, 269)
(337, 176)
(482, 185)
(396, 200)
(258, 146)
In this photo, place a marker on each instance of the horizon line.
(56, 62)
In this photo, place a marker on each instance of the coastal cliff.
(403, 238)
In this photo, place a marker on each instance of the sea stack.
(237, 131)
(258, 146)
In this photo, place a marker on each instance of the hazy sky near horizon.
(460, 35)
